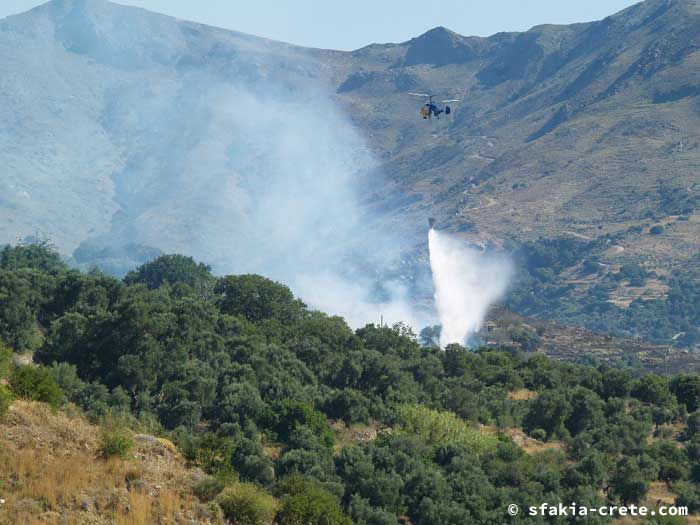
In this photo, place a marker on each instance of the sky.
(353, 24)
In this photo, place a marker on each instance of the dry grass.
(625, 294)
(520, 438)
(530, 445)
(346, 436)
(659, 494)
(522, 394)
(50, 473)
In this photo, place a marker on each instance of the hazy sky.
(351, 24)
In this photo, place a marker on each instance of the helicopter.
(430, 108)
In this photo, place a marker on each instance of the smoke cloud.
(467, 282)
(158, 134)
(284, 198)
(279, 191)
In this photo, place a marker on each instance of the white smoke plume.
(163, 134)
(467, 282)
(284, 199)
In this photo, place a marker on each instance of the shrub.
(348, 405)
(628, 483)
(687, 496)
(208, 488)
(257, 299)
(290, 415)
(308, 503)
(435, 427)
(656, 229)
(40, 255)
(116, 442)
(5, 361)
(539, 434)
(692, 429)
(5, 400)
(246, 504)
(36, 384)
(211, 452)
(173, 269)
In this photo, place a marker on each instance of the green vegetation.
(174, 270)
(5, 400)
(676, 199)
(35, 384)
(116, 442)
(208, 488)
(246, 504)
(245, 379)
(437, 428)
(306, 502)
(5, 361)
(5, 394)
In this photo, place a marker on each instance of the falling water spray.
(467, 282)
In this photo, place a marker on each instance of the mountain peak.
(439, 35)
(61, 7)
(109, 33)
(439, 32)
(78, 4)
(440, 46)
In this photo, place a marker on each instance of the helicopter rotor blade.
(420, 94)
(452, 100)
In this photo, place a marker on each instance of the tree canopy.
(262, 392)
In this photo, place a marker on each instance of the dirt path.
(578, 235)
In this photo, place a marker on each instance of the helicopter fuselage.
(430, 110)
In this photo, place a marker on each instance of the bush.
(36, 384)
(211, 452)
(17, 310)
(173, 269)
(39, 255)
(246, 504)
(5, 361)
(208, 488)
(116, 442)
(257, 299)
(539, 434)
(308, 503)
(656, 229)
(628, 483)
(348, 405)
(5, 400)
(692, 429)
(290, 415)
(687, 496)
(434, 427)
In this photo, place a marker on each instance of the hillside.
(573, 127)
(127, 134)
(578, 345)
(227, 395)
(585, 132)
(52, 472)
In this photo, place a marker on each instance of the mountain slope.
(124, 129)
(107, 107)
(599, 111)
(564, 126)
(53, 473)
